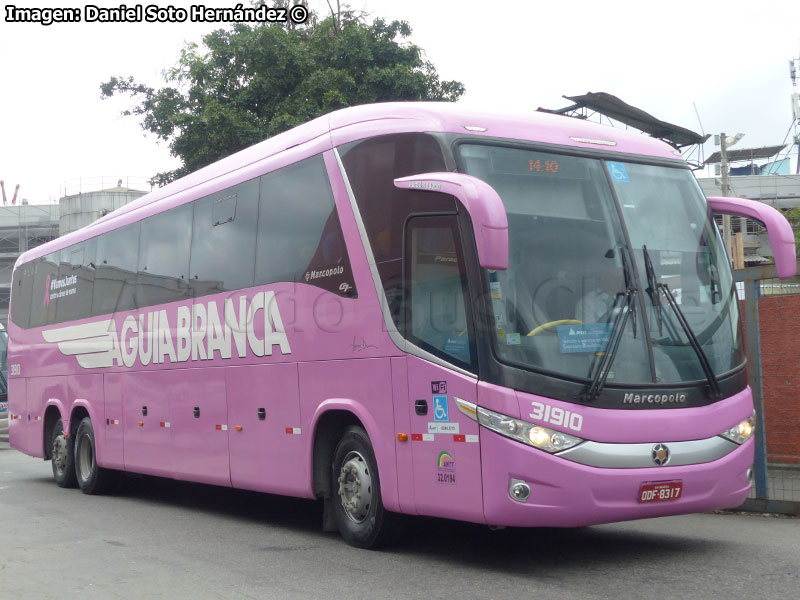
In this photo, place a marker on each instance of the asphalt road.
(164, 539)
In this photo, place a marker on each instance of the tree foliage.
(247, 83)
(793, 216)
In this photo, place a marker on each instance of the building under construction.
(22, 226)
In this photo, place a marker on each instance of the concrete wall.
(79, 210)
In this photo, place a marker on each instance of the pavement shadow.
(539, 551)
(545, 550)
(508, 551)
(257, 507)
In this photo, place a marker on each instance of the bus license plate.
(662, 491)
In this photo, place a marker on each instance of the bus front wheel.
(61, 456)
(92, 479)
(356, 494)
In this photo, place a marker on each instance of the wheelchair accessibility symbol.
(440, 412)
(618, 172)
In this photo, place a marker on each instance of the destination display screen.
(511, 161)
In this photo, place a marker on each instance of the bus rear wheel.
(356, 493)
(61, 456)
(92, 479)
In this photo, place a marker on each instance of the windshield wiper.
(701, 355)
(613, 343)
(629, 283)
(652, 289)
(695, 344)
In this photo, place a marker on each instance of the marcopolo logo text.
(332, 272)
(654, 399)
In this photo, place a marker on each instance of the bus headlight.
(537, 436)
(742, 432)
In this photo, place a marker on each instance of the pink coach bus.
(403, 308)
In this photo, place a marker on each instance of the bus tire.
(62, 457)
(356, 493)
(91, 478)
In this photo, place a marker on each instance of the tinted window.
(223, 210)
(224, 240)
(163, 264)
(75, 280)
(4, 362)
(115, 277)
(46, 291)
(299, 234)
(22, 294)
(372, 166)
(201, 248)
(437, 290)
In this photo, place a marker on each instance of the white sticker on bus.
(435, 427)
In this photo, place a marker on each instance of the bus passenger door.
(445, 448)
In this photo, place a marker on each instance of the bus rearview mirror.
(485, 208)
(781, 236)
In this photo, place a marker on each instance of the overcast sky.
(730, 59)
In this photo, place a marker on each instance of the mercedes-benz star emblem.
(660, 454)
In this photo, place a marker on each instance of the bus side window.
(76, 301)
(22, 295)
(163, 265)
(436, 290)
(45, 272)
(299, 234)
(115, 275)
(224, 240)
(372, 166)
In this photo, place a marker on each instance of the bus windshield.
(585, 236)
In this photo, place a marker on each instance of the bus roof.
(359, 122)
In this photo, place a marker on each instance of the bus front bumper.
(563, 493)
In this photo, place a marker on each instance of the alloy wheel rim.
(355, 487)
(85, 457)
(60, 453)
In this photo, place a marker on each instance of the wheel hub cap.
(60, 452)
(85, 457)
(355, 487)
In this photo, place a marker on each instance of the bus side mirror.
(781, 236)
(485, 208)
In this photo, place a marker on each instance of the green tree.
(793, 216)
(250, 82)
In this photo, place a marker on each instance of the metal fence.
(779, 287)
(777, 486)
(783, 490)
